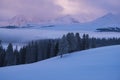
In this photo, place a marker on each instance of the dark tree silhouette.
(10, 58)
(43, 49)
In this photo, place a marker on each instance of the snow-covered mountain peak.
(67, 19)
(108, 19)
(18, 20)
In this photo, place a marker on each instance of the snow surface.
(94, 64)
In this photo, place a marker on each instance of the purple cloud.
(84, 10)
(30, 8)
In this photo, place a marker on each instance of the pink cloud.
(30, 8)
(84, 10)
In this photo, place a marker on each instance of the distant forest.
(10, 27)
(109, 29)
(43, 49)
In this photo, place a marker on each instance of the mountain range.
(106, 20)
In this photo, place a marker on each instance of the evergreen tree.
(43, 50)
(17, 56)
(93, 43)
(39, 51)
(85, 42)
(71, 42)
(54, 48)
(2, 58)
(2, 55)
(47, 48)
(78, 42)
(63, 46)
(10, 58)
(31, 53)
(22, 55)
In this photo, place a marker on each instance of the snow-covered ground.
(94, 64)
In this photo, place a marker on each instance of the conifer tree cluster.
(43, 49)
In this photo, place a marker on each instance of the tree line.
(109, 29)
(43, 49)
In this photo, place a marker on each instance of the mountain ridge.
(108, 20)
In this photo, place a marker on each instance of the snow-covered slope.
(94, 64)
(21, 20)
(67, 22)
(67, 19)
(18, 20)
(108, 20)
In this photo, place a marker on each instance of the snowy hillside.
(94, 64)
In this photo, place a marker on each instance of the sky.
(83, 10)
